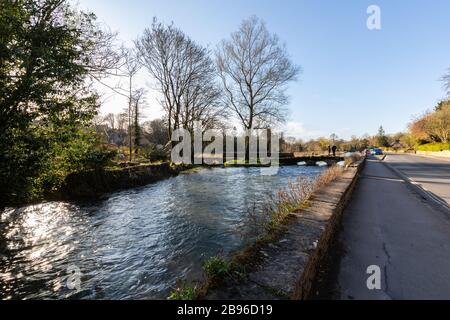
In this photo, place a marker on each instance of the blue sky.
(353, 79)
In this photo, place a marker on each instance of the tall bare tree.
(130, 68)
(184, 73)
(122, 122)
(139, 103)
(110, 120)
(155, 131)
(255, 70)
(202, 100)
(446, 80)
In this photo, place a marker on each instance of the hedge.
(434, 147)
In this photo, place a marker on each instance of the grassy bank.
(434, 147)
(91, 184)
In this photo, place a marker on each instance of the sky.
(353, 80)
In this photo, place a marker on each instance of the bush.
(154, 153)
(184, 291)
(435, 147)
(36, 161)
(328, 176)
(97, 158)
(272, 215)
(215, 267)
(354, 157)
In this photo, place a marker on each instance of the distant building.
(396, 145)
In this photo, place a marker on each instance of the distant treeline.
(428, 132)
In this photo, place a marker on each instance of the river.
(132, 244)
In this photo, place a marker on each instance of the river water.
(132, 244)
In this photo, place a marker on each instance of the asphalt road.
(390, 225)
(432, 174)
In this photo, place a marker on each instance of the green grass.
(242, 163)
(435, 147)
(216, 267)
(184, 291)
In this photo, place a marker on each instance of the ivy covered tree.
(48, 53)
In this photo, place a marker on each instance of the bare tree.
(255, 70)
(446, 80)
(139, 103)
(333, 138)
(202, 99)
(184, 73)
(161, 49)
(155, 131)
(110, 120)
(122, 121)
(131, 67)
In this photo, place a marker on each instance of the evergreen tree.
(47, 51)
(381, 138)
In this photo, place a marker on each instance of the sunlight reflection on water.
(132, 244)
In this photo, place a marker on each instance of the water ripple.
(133, 244)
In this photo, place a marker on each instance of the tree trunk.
(129, 121)
(137, 130)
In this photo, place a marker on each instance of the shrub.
(327, 176)
(215, 267)
(435, 147)
(272, 215)
(184, 291)
(354, 157)
(154, 153)
(97, 158)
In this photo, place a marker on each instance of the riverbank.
(94, 183)
(91, 184)
(285, 266)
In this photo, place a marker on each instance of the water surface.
(132, 244)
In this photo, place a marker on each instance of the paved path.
(389, 225)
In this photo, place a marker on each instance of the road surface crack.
(386, 252)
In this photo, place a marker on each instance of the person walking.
(329, 150)
(334, 150)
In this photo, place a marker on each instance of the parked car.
(378, 152)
